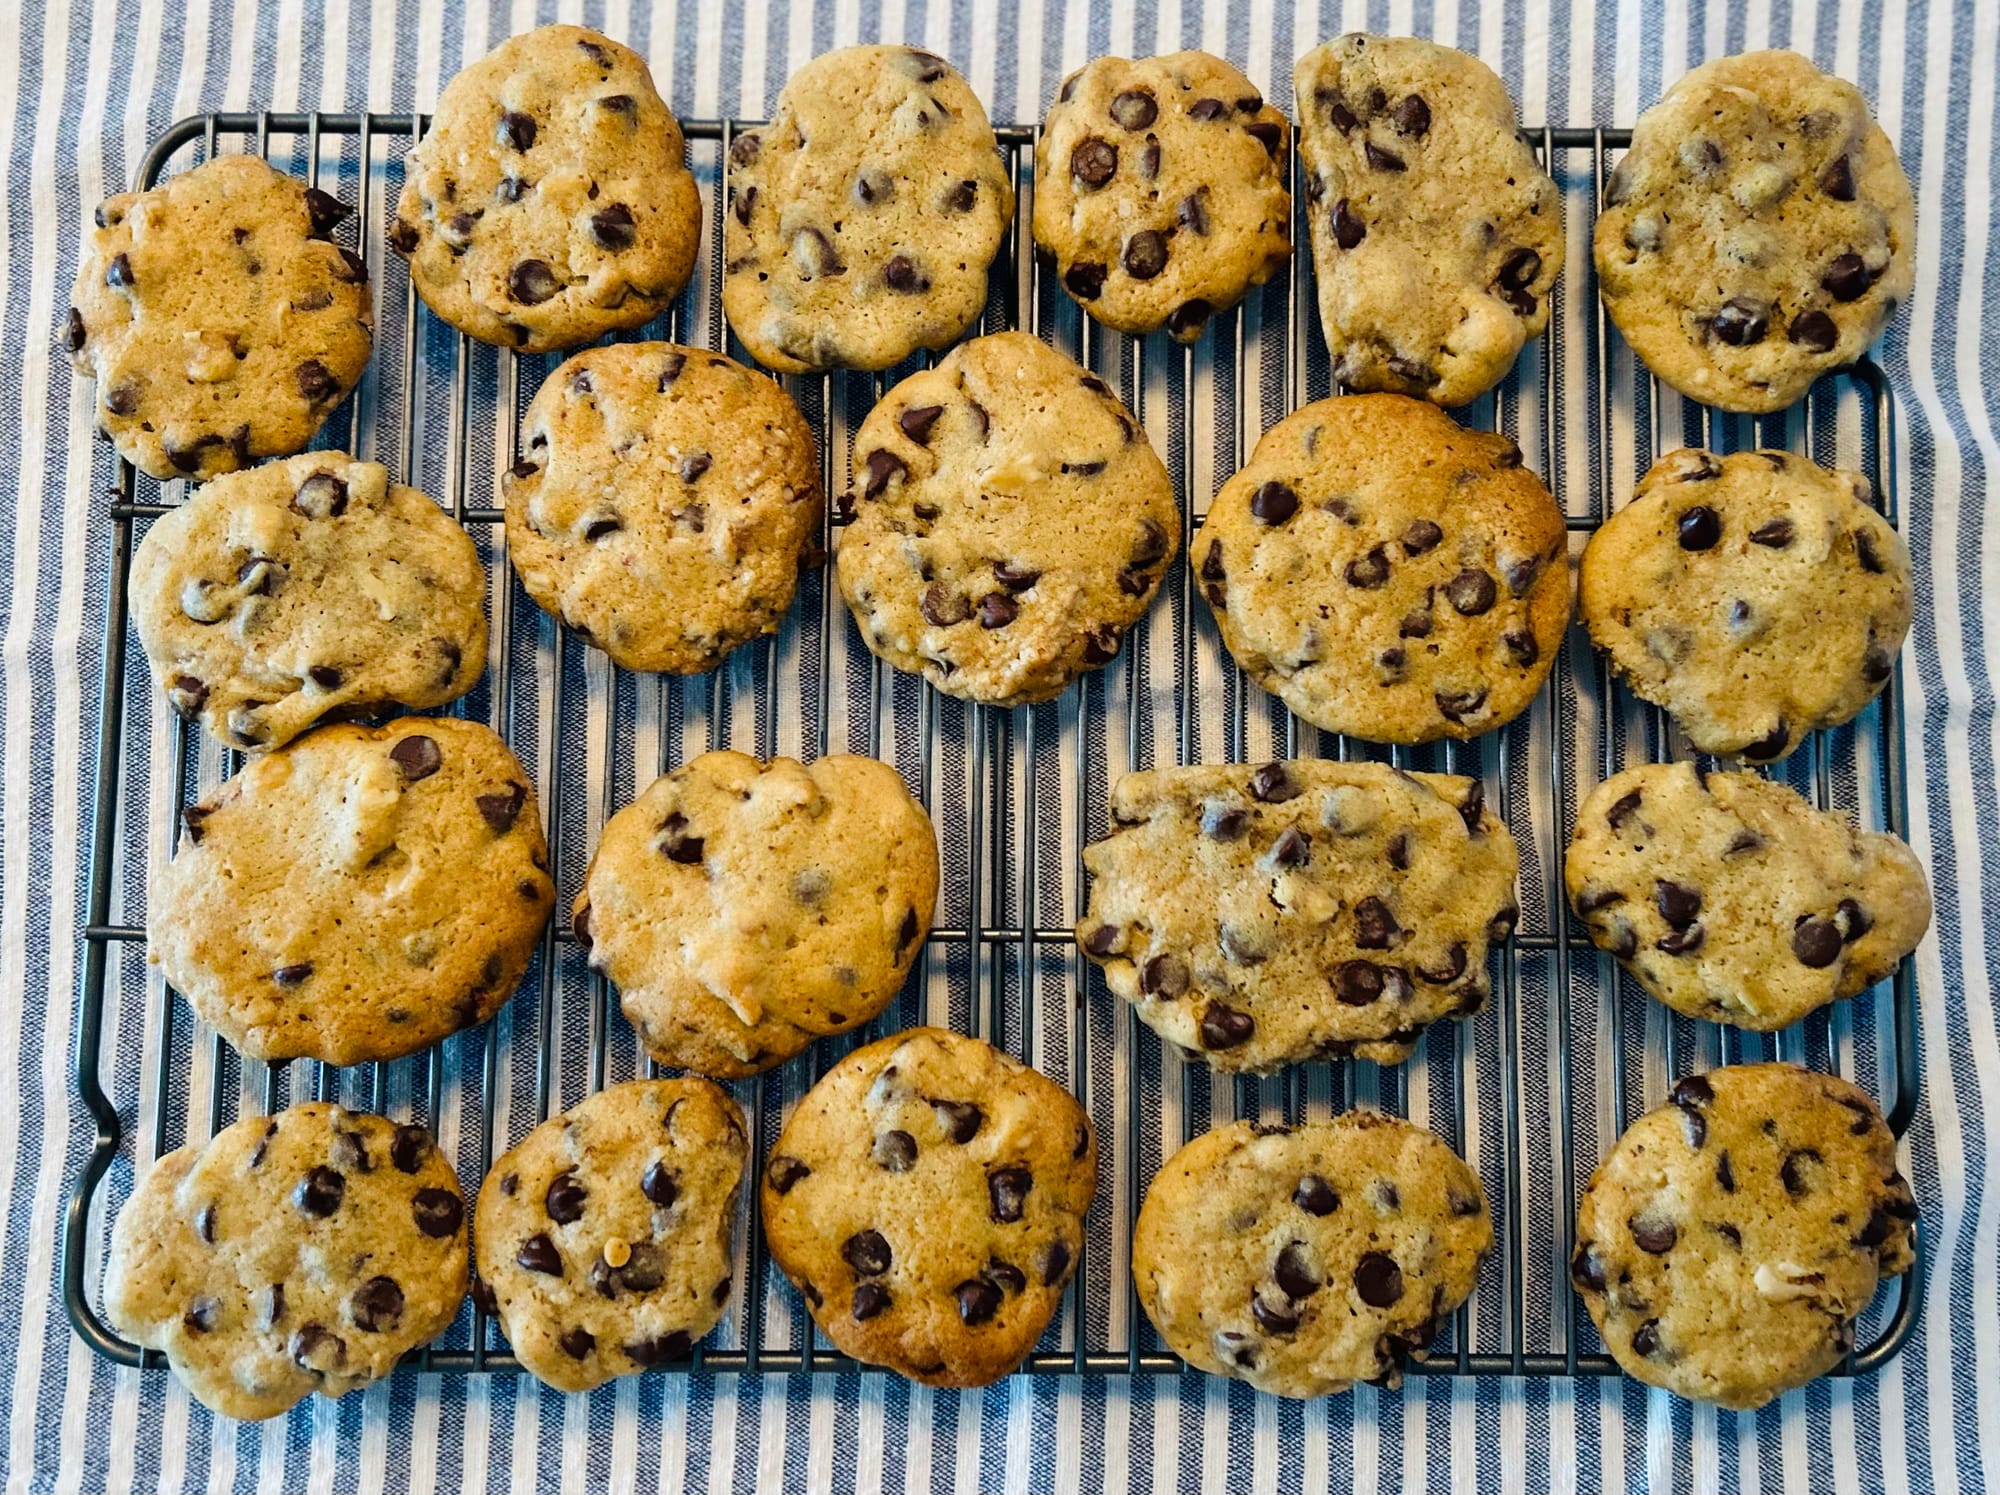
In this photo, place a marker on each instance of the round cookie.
(1755, 596)
(1304, 1259)
(1259, 917)
(219, 319)
(743, 909)
(864, 217)
(928, 1198)
(357, 895)
(1012, 523)
(307, 589)
(550, 202)
(604, 1238)
(1758, 233)
(1437, 236)
(1387, 573)
(1731, 1238)
(1160, 190)
(664, 504)
(1728, 897)
(306, 1251)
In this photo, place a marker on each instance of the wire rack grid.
(1531, 1091)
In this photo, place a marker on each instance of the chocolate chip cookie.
(356, 895)
(928, 1198)
(219, 319)
(863, 218)
(1387, 573)
(1437, 237)
(1304, 1259)
(664, 503)
(1755, 596)
(605, 1237)
(1728, 897)
(1259, 917)
(301, 1252)
(1011, 522)
(550, 202)
(743, 909)
(1758, 233)
(306, 590)
(1160, 190)
(1728, 1243)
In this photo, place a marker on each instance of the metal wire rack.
(1531, 1092)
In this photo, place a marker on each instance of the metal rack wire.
(1531, 1091)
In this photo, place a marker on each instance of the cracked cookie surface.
(1731, 1238)
(220, 321)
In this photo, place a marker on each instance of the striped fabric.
(86, 84)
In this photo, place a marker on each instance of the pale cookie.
(550, 202)
(1305, 1259)
(1729, 1241)
(864, 217)
(605, 1236)
(306, 1251)
(928, 1198)
(1012, 522)
(1437, 236)
(219, 319)
(1160, 190)
(1387, 573)
(1758, 233)
(1728, 897)
(306, 590)
(743, 909)
(1755, 596)
(357, 895)
(1259, 917)
(664, 503)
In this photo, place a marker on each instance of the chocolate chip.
(1134, 109)
(1519, 269)
(867, 1253)
(1008, 1189)
(1273, 1318)
(1472, 592)
(1453, 967)
(205, 1312)
(1315, 1195)
(1772, 743)
(1380, 159)
(1378, 1280)
(1646, 1338)
(1775, 534)
(204, 1222)
(293, 975)
(1348, 230)
(565, 1197)
(437, 1212)
(961, 1120)
(316, 1348)
(1145, 254)
(1877, 665)
(881, 466)
(1741, 322)
(516, 130)
(1836, 179)
(1678, 903)
(902, 274)
(1876, 1231)
(408, 1148)
(1267, 133)
(1055, 1262)
(614, 227)
(1814, 331)
(693, 466)
(678, 845)
(917, 420)
(1204, 111)
(1164, 976)
(1420, 535)
(784, 1173)
(1273, 784)
(1296, 1272)
(870, 1298)
(403, 236)
(1799, 1171)
(532, 282)
(1816, 942)
(1094, 161)
(978, 1300)
(1865, 551)
(661, 1349)
(500, 811)
(997, 610)
(417, 756)
(1273, 503)
(1652, 1234)
(511, 189)
(578, 1343)
(1587, 1270)
(1191, 215)
(1224, 1027)
(1623, 810)
(320, 1191)
(123, 397)
(895, 1151)
(1411, 116)
(377, 1305)
(321, 496)
(1852, 920)
(1084, 281)
(1679, 942)
(1375, 928)
(1846, 278)
(1358, 982)
(119, 275)
(906, 933)
(1102, 940)
(1186, 320)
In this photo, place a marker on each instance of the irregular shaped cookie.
(307, 589)
(605, 1237)
(1160, 190)
(1729, 1241)
(1730, 898)
(1304, 1259)
(863, 218)
(1013, 522)
(743, 909)
(220, 320)
(664, 504)
(1758, 233)
(928, 1198)
(1387, 573)
(306, 1251)
(1259, 917)
(357, 895)
(1437, 236)
(550, 202)
(1755, 596)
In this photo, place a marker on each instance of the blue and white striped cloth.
(86, 84)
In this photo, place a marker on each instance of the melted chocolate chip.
(978, 1300)
(961, 1120)
(1472, 592)
(1224, 1027)
(1094, 161)
(1348, 230)
(1008, 1189)
(1273, 503)
(1134, 109)
(532, 282)
(784, 1173)
(870, 1298)
(320, 1192)
(565, 1197)
(1741, 322)
(1315, 1195)
(1371, 571)
(867, 1253)
(1145, 254)
(1774, 534)
(895, 1151)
